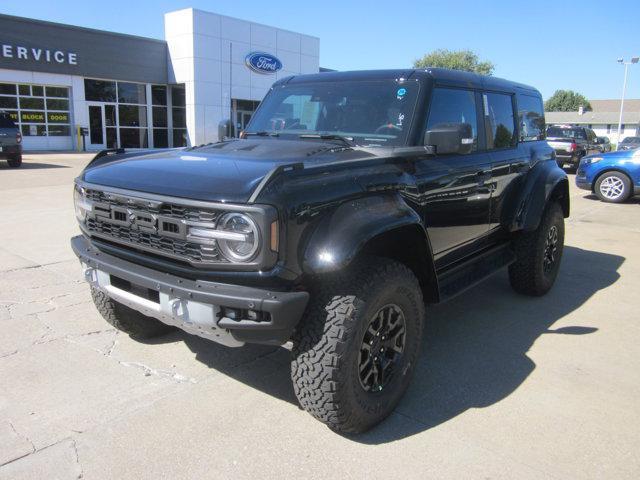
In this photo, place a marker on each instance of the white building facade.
(208, 54)
(69, 87)
(603, 118)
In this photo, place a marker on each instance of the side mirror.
(448, 138)
(225, 129)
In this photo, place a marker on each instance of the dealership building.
(134, 92)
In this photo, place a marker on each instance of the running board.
(456, 279)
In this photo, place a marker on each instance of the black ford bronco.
(352, 200)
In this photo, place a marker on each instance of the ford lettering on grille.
(143, 221)
(158, 227)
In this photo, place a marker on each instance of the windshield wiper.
(263, 133)
(329, 136)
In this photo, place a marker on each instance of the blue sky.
(547, 44)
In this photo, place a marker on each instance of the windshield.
(631, 140)
(376, 113)
(559, 132)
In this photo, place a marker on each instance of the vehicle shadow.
(591, 196)
(474, 353)
(31, 166)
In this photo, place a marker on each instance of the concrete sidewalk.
(507, 386)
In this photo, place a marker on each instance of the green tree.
(456, 60)
(566, 101)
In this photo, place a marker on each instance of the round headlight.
(239, 250)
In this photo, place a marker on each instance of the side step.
(462, 276)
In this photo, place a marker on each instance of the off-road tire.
(527, 274)
(620, 177)
(15, 161)
(126, 319)
(327, 344)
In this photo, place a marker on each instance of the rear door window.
(530, 118)
(499, 120)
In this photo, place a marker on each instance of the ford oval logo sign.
(261, 62)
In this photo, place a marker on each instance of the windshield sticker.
(401, 93)
(400, 119)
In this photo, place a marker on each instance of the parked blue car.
(613, 177)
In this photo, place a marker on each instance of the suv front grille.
(156, 226)
(153, 207)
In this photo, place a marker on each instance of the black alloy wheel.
(382, 348)
(550, 249)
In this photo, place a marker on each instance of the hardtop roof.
(438, 75)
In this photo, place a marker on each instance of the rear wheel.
(15, 161)
(538, 254)
(126, 319)
(613, 187)
(355, 351)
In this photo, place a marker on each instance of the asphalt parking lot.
(507, 386)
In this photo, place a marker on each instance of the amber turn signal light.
(274, 236)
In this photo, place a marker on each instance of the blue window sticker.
(401, 93)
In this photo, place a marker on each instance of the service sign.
(39, 54)
(264, 63)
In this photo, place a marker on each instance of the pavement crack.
(148, 371)
(112, 347)
(31, 267)
(8, 354)
(75, 450)
(27, 439)
(35, 450)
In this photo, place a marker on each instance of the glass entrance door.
(242, 119)
(97, 137)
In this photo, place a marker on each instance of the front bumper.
(583, 184)
(194, 306)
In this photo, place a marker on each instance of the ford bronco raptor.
(351, 200)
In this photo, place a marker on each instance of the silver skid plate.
(193, 317)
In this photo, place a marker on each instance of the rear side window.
(530, 118)
(6, 122)
(449, 105)
(561, 132)
(499, 120)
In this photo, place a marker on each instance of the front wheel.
(355, 351)
(538, 254)
(613, 187)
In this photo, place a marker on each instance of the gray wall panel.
(99, 54)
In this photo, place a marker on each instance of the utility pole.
(624, 90)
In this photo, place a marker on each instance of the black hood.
(227, 171)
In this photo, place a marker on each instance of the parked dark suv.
(10, 141)
(572, 143)
(354, 199)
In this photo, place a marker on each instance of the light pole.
(624, 89)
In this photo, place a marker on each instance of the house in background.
(603, 118)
